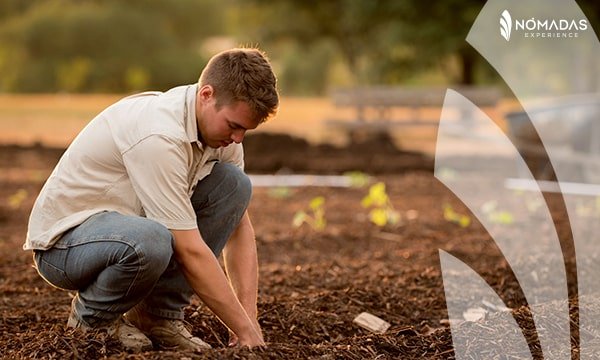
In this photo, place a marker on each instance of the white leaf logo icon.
(505, 25)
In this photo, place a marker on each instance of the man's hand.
(241, 264)
(234, 340)
(204, 274)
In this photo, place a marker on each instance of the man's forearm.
(206, 277)
(241, 264)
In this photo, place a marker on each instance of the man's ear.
(206, 92)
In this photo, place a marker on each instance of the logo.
(541, 28)
(505, 25)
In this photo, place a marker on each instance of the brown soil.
(312, 284)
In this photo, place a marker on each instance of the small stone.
(371, 323)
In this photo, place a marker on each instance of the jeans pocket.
(54, 275)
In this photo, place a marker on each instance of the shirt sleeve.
(158, 169)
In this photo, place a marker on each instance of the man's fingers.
(233, 340)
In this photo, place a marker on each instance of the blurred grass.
(54, 120)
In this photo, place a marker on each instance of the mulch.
(312, 283)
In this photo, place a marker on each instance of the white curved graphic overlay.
(551, 65)
(467, 291)
(519, 222)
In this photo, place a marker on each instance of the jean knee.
(238, 182)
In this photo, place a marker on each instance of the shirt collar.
(191, 125)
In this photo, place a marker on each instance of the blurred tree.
(437, 30)
(104, 45)
(387, 41)
(71, 76)
(9, 8)
(304, 68)
(355, 28)
(381, 41)
(115, 45)
(591, 9)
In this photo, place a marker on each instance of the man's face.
(220, 127)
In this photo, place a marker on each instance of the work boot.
(128, 335)
(166, 333)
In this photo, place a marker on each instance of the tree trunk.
(468, 58)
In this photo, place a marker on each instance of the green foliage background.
(126, 46)
(102, 45)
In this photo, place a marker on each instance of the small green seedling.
(280, 192)
(16, 199)
(534, 205)
(382, 212)
(358, 179)
(490, 209)
(452, 216)
(315, 217)
(447, 174)
(586, 209)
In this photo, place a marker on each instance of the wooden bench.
(374, 107)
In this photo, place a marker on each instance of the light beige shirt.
(140, 156)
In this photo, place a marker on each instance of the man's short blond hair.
(243, 74)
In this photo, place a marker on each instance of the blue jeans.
(116, 262)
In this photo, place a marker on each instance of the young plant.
(315, 217)
(496, 216)
(382, 211)
(280, 192)
(456, 218)
(588, 207)
(16, 199)
(358, 179)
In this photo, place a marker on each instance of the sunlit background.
(103, 49)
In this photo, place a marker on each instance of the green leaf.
(376, 197)
(357, 178)
(378, 194)
(16, 199)
(317, 203)
(393, 216)
(534, 205)
(502, 217)
(280, 192)
(366, 202)
(379, 217)
(299, 218)
(447, 174)
(489, 206)
(449, 214)
(320, 223)
(454, 217)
